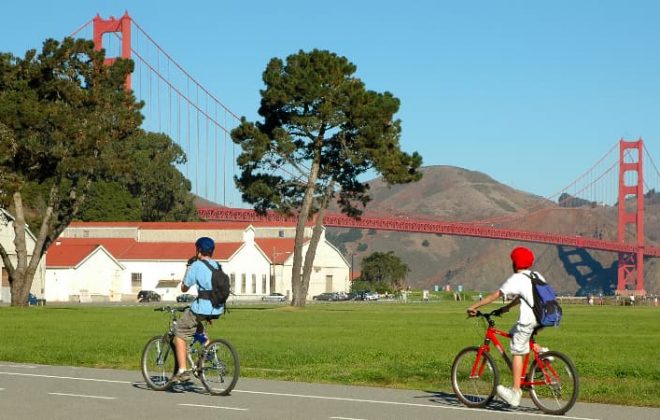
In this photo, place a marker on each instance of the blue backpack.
(546, 308)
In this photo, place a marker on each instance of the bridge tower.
(112, 25)
(631, 265)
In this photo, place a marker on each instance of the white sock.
(181, 370)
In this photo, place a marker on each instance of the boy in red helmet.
(517, 285)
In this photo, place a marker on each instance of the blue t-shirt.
(199, 275)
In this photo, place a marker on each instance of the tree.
(384, 268)
(61, 110)
(321, 130)
(148, 170)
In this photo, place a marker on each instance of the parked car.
(371, 296)
(342, 295)
(325, 296)
(186, 298)
(274, 297)
(357, 296)
(148, 296)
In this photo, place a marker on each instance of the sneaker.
(510, 396)
(542, 350)
(182, 376)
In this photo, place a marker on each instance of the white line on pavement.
(215, 406)
(344, 418)
(82, 396)
(20, 366)
(319, 397)
(65, 377)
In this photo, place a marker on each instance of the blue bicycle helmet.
(205, 244)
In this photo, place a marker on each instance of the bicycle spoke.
(158, 363)
(219, 367)
(556, 384)
(474, 377)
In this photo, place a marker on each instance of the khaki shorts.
(187, 324)
(520, 335)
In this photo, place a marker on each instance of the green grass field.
(381, 344)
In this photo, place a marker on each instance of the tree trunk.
(22, 276)
(297, 281)
(316, 237)
(311, 250)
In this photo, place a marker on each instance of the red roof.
(115, 246)
(277, 250)
(68, 255)
(68, 252)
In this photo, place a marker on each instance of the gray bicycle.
(215, 362)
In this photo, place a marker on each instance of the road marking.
(20, 366)
(82, 396)
(318, 397)
(66, 377)
(344, 418)
(358, 400)
(215, 406)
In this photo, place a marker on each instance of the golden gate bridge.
(178, 105)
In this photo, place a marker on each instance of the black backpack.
(546, 309)
(220, 286)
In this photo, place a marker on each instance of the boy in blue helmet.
(198, 274)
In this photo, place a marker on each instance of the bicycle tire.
(158, 362)
(219, 367)
(474, 391)
(560, 392)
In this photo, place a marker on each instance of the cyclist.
(197, 274)
(518, 285)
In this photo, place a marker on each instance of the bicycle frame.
(549, 374)
(200, 337)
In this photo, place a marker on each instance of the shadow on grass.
(60, 308)
(450, 400)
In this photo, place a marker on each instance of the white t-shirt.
(521, 285)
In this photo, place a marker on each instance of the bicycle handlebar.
(487, 315)
(171, 308)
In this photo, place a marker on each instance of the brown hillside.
(449, 193)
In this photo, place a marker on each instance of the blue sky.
(530, 93)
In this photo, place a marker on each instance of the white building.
(7, 236)
(113, 261)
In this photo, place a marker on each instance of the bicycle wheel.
(219, 367)
(555, 384)
(474, 377)
(159, 362)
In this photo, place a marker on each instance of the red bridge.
(179, 106)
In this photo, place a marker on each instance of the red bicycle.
(551, 380)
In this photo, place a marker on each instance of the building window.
(5, 277)
(136, 281)
(280, 234)
(232, 284)
(243, 282)
(254, 284)
(264, 279)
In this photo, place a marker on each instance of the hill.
(454, 194)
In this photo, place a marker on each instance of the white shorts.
(520, 335)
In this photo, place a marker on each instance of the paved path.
(60, 392)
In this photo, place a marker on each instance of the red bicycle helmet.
(522, 258)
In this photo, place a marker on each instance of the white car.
(274, 297)
(371, 296)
